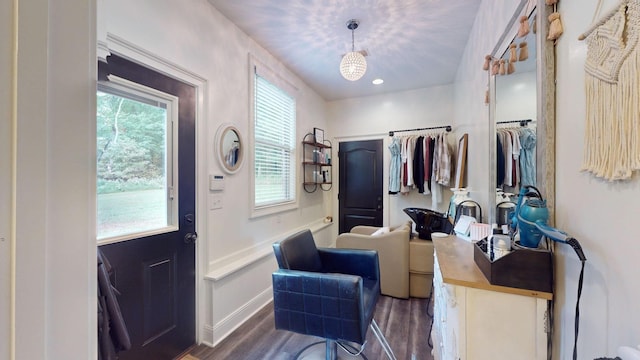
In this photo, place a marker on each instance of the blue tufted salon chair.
(330, 293)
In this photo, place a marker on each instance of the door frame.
(126, 49)
(386, 158)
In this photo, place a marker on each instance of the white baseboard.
(207, 335)
(212, 335)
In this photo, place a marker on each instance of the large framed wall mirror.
(461, 162)
(229, 148)
(522, 103)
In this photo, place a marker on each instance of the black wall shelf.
(316, 165)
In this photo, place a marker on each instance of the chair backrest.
(298, 252)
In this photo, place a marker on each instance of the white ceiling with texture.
(411, 43)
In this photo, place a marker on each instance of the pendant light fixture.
(353, 64)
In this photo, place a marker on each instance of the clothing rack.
(522, 123)
(446, 127)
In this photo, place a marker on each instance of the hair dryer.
(527, 213)
(561, 237)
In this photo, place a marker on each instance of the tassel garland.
(524, 26)
(511, 67)
(524, 51)
(513, 53)
(495, 69)
(487, 62)
(555, 28)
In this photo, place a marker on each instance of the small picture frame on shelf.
(318, 135)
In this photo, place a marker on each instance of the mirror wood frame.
(545, 104)
(223, 130)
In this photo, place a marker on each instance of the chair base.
(330, 351)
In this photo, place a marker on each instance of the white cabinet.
(476, 324)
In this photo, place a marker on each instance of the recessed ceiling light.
(377, 81)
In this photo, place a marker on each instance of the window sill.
(273, 209)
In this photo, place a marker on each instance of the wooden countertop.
(455, 257)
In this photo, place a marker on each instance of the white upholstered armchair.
(393, 252)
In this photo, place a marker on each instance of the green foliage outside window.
(130, 145)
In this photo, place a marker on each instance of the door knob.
(190, 238)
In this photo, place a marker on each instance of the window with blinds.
(274, 145)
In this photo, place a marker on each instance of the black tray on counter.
(522, 268)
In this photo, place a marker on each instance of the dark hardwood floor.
(405, 324)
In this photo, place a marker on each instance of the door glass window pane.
(134, 180)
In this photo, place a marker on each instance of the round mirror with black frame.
(229, 148)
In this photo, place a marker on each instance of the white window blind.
(274, 144)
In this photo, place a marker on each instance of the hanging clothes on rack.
(406, 179)
(432, 147)
(444, 161)
(528, 157)
(508, 156)
(436, 193)
(499, 160)
(515, 156)
(403, 165)
(426, 155)
(420, 162)
(411, 145)
(394, 165)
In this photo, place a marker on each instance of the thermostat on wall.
(216, 182)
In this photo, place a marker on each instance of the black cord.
(430, 340)
(575, 342)
(432, 316)
(550, 322)
(550, 309)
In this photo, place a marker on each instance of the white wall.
(516, 97)
(470, 111)
(372, 117)
(600, 215)
(55, 271)
(6, 172)
(236, 249)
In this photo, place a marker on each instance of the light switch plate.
(215, 201)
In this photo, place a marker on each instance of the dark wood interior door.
(360, 184)
(156, 274)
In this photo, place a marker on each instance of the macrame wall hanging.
(612, 86)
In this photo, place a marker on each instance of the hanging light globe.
(353, 66)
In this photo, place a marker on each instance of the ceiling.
(411, 44)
